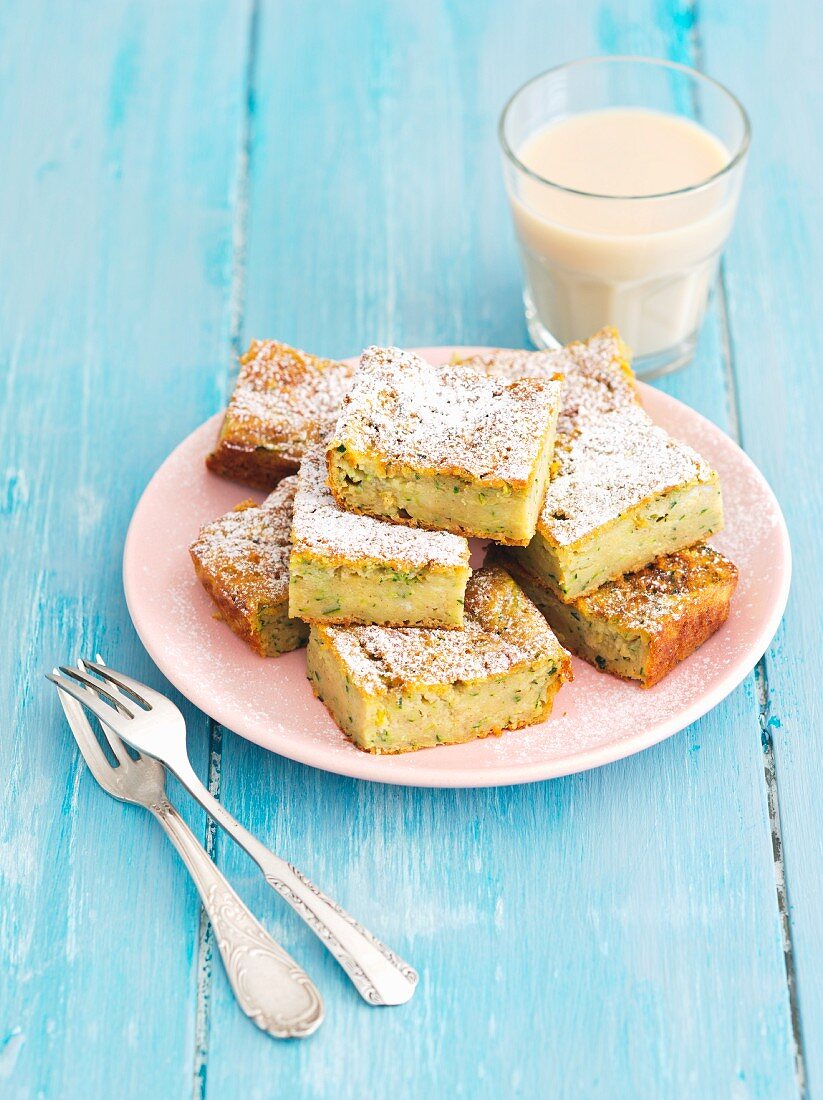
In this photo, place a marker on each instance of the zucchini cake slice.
(283, 400)
(622, 491)
(349, 568)
(640, 626)
(444, 447)
(242, 561)
(396, 689)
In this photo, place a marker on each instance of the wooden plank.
(774, 267)
(614, 933)
(120, 132)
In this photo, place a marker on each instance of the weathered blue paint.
(179, 178)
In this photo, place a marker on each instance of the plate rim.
(503, 774)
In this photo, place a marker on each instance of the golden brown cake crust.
(673, 585)
(677, 602)
(700, 582)
(242, 560)
(283, 400)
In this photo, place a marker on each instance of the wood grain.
(567, 933)
(180, 178)
(119, 153)
(773, 271)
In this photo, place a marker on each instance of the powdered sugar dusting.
(492, 641)
(321, 526)
(248, 549)
(450, 419)
(661, 592)
(608, 466)
(596, 719)
(609, 456)
(284, 395)
(513, 363)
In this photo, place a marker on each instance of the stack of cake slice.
(351, 568)
(407, 648)
(617, 563)
(445, 448)
(598, 520)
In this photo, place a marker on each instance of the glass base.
(644, 366)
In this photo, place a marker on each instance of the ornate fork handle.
(380, 976)
(269, 985)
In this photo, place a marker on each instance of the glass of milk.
(623, 175)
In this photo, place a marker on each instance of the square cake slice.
(641, 625)
(444, 447)
(622, 491)
(396, 689)
(242, 561)
(348, 568)
(283, 400)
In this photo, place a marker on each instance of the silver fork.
(270, 987)
(153, 725)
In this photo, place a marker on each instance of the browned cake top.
(284, 395)
(321, 526)
(663, 591)
(502, 629)
(449, 419)
(609, 456)
(247, 550)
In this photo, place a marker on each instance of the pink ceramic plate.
(596, 719)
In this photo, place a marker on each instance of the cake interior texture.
(622, 491)
(393, 689)
(351, 568)
(640, 626)
(444, 447)
(242, 561)
(284, 399)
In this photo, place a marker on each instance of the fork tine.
(84, 696)
(117, 746)
(83, 734)
(141, 693)
(94, 686)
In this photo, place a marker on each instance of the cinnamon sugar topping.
(322, 526)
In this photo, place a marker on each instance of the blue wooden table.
(177, 177)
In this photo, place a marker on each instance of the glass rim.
(686, 70)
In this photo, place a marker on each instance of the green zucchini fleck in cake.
(397, 689)
(444, 447)
(350, 568)
(622, 491)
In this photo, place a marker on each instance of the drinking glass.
(643, 263)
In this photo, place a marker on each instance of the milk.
(628, 252)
